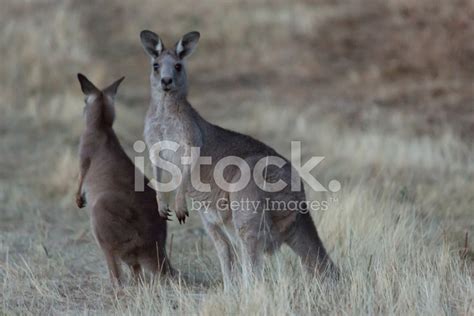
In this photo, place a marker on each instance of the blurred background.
(272, 69)
(362, 60)
(383, 89)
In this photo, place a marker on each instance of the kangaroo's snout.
(166, 83)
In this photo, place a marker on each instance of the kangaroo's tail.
(306, 243)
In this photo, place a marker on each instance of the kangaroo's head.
(99, 109)
(168, 73)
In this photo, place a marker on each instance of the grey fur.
(171, 117)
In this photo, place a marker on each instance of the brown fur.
(125, 223)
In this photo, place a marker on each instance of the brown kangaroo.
(126, 224)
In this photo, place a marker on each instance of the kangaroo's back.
(125, 222)
(110, 167)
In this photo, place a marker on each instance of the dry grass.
(365, 84)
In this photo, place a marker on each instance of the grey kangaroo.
(171, 117)
(125, 223)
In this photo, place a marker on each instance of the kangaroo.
(171, 117)
(125, 223)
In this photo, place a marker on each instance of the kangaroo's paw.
(181, 214)
(80, 200)
(163, 210)
(181, 210)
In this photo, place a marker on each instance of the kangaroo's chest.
(164, 128)
(168, 136)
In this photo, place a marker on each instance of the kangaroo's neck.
(168, 104)
(175, 107)
(95, 138)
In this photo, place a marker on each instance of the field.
(382, 89)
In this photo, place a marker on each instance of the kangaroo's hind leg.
(136, 271)
(252, 245)
(252, 225)
(225, 251)
(156, 262)
(113, 267)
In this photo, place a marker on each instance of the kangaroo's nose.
(166, 81)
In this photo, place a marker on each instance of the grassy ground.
(383, 91)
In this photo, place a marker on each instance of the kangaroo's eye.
(178, 67)
(156, 66)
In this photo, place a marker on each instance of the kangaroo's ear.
(187, 44)
(87, 87)
(111, 90)
(152, 43)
